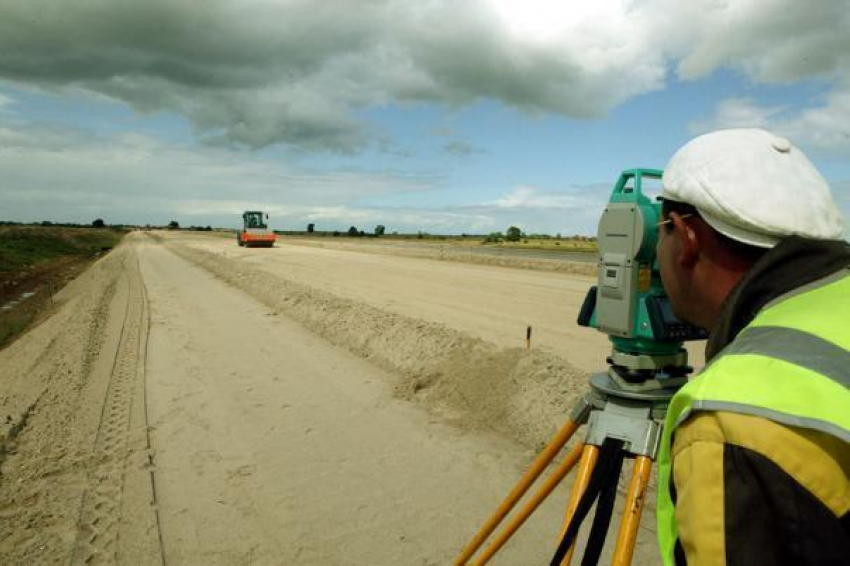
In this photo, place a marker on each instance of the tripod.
(623, 410)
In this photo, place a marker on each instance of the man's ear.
(689, 244)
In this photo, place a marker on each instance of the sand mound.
(524, 394)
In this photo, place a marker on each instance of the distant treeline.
(362, 234)
(512, 234)
(99, 223)
(94, 224)
(495, 236)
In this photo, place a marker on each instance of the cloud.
(5, 102)
(256, 73)
(68, 174)
(571, 210)
(459, 148)
(261, 72)
(574, 210)
(737, 113)
(531, 198)
(823, 129)
(396, 219)
(769, 40)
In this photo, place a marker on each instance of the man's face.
(672, 274)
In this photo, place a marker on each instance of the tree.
(173, 225)
(311, 228)
(353, 231)
(379, 230)
(98, 223)
(513, 234)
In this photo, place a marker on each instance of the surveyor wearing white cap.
(755, 457)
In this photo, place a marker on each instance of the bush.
(513, 234)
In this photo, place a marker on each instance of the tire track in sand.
(101, 512)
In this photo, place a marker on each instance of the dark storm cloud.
(258, 73)
(261, 72)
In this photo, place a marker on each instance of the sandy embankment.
(475, 383)
(524, 394)
(274, 446)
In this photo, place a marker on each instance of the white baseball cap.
(754, 187)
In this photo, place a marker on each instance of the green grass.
(22, 246)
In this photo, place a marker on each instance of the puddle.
(12, 304)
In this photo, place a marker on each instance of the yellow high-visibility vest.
(791, 365)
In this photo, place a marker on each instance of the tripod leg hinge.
(632, 425)
(581, 410)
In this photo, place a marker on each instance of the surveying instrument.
(626, 405)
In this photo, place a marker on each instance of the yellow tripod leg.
(632, 512)
(533, 472)
(589, 456)
(550, 484)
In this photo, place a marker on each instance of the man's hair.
(738, 249)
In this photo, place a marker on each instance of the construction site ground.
(188, 401)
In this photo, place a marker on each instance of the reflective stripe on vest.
(791, 365)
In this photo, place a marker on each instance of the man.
(755, 458)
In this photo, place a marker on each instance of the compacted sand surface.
(192, 402)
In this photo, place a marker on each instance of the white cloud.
(822, 130)
(71, 175)
(533, 198)
(66, 174)
(738, 113)
(572, 210)
(825, 128)
(769, 40)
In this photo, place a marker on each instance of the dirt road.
(189, 402)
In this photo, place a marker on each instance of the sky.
(439, 116)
